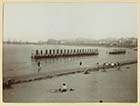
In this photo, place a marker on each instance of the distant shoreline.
(86, 45)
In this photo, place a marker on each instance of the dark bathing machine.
(51, 53)
(117, 51)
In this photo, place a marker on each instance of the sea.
(17, 59)
(109, 86)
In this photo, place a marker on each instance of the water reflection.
(60, 59)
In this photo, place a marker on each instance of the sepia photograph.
(70, 52)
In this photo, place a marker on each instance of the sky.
(42, 21)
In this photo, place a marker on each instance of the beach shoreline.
(45, 75)
(109, 86)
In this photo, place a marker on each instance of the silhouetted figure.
(101, 101)
(97, 66)
(80, 63)
(119, 66)
(71, 89)
(39, 66)
(7, 84)
(104, 67)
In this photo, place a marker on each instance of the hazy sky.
(40, 21)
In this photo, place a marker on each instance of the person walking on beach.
(119, 66)
(104, 67)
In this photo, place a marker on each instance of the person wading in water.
(80, 63)
(98, 68)
(39, 66)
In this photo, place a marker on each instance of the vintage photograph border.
(70, 104)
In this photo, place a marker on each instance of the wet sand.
(110, 86)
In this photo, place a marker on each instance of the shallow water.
(17, 59)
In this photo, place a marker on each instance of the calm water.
(17, 59)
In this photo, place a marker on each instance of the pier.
(117, 51)
(51, 53)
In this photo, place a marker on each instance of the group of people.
(109, 65)
(64, 88)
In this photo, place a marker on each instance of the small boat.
(117, 51)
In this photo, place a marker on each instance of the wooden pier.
(51, 53)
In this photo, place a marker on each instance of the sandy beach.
(110, 86)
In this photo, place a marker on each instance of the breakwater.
(50, 53)
(26, 79)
